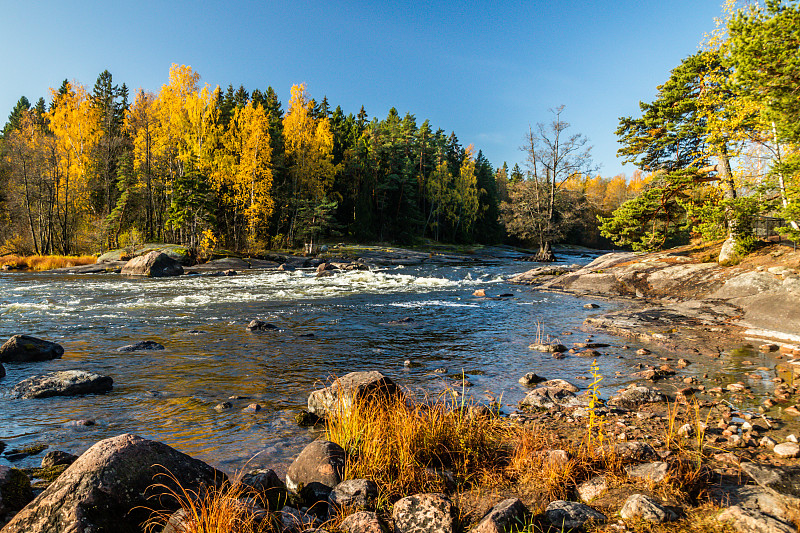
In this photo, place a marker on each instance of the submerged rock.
(24, 348)
(107, 488)
(141, 346)
(260, 325)
(351, 387)
(152, 265)
(62, 383)
(2, 371)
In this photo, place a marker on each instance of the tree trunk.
(729, 246)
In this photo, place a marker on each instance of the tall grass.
(404, 445)
(46, 262)
(226, 508)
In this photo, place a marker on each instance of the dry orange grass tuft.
(230, 507)
(46, 262)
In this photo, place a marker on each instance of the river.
(328, 326)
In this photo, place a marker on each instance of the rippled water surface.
(170, 395)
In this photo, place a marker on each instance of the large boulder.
(348, 389)
(112, 487)
(24, 348)
(424, 513)
(62, 383)
(316, 471)
(153, 265)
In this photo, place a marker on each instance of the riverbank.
(424, 314)
(388, 462)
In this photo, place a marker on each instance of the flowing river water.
(328, 326)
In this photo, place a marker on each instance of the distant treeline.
(99, 169)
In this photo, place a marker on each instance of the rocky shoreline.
(675, 448)
(679, 300)
(647, 460)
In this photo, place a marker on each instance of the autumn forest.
(92, 169)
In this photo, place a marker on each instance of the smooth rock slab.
(781, 480)
(571, 515)
(352, 387)
(316, 471)
(641, 507)
(424, 513)
(752, 521)
(559, 384)
(503, 517)
(24, 349)
(107, 488)
(62, 383)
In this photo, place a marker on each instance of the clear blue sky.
(486, 70)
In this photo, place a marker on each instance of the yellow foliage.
(309, 146)
(243, 177)
(75, 123)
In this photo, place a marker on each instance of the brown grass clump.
(404, 446)
(228, 508)
(45, 262)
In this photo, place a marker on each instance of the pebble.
(643, 351)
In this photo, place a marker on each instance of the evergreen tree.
(15, 117)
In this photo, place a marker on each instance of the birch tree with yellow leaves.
(74, 122)
(243, 178)
(309, 152)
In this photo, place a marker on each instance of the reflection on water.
(328, 326)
